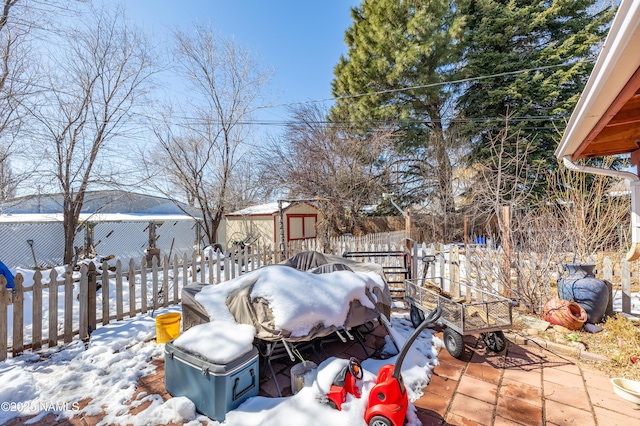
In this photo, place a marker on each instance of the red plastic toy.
(388, 399)
(345, 382)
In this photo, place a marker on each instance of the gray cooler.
(215, 389)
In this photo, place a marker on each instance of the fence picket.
(185, 270)
(607, 270)
(467, 277)
(210, 265)
(104, 281)
(68, 305)
(203, 279)
(92, 289)
(154, 284)
(82, 328)
(626, 286)
(165, 281)
(176, 282)
(18, 319)
(227, 276)
(36, 311)
(119, 301)
(144, 296)
(194, 268)
(53, 308)
(219, 263)
(5, 298)
(131, 278)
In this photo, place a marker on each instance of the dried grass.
(620, 342)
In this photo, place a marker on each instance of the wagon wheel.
(453, 342)
(416, 316)
(494, 340)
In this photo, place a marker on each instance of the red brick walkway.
(524, 385)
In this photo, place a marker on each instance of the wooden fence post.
(607, 270)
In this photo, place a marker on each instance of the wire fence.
(40, 245)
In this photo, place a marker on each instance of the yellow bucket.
(167, 327)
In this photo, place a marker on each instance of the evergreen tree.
(394, 45)
(557, 40)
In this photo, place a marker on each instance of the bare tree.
(97, 77)
(591, 208)
(200, 154)
(506, 180)
(15, 86)
(504, 185)
(323, 160)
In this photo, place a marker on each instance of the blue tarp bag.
(7, 274)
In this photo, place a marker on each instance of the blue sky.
(301, 40)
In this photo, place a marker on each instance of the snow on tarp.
(219, 342)
(283, 302)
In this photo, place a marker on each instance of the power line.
(380, 92)
(424, 86)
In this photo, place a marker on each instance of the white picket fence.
(56, 307)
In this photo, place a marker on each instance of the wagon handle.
(433, 316)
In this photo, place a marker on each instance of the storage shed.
(262, 223)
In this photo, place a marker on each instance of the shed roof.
(259, 210)
(268, 209)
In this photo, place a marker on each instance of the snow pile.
(105, 374)
(299, 300)
(217, 341)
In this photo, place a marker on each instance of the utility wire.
(423, 86)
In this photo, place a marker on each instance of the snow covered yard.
(101, 379)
